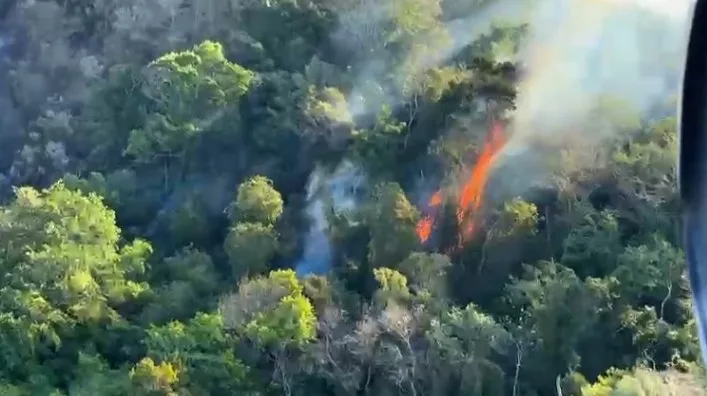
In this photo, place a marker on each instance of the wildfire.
(424, 226)
(472, 191)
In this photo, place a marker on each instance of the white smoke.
(576, 52)
(593, 69)
(339, 189)
(586, 64)
(581, 52)
(363, 27)
(10, 119)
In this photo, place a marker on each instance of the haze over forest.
(342, 197)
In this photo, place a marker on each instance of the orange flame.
(424, 226)
(472, 191)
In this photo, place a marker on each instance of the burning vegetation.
(471, 192)
(212, 198)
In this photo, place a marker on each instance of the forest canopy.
(302, 198)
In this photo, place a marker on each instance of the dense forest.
(340, 197)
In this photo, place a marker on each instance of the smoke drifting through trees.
(590, 69)
(577, 52)
(579, 58)
(336, 192)
(365, 31)
(146, 119)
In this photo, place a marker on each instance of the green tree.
(93, 376)
(644, 381)
(203, 351)
(462, 342)
(152, 379)
(183, 285)
(157, 109)
(380, 147)
(652, 274)
(393, 286)
(65, 270)
(272, 310)
(562, 310)
(392, 221)
(427, 273)
(592, 246)
(190, 91)
(62, 251)
(250, 247)
(257, 201)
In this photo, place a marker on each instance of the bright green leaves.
(252, 240)
(154, 378)
(434, 83)
(291, 322)
(64, 269)
(645, 382)
(257, 201)
(55, 217)
(414, 17)
(189, 92)
(272, 310)
(518, 217)
(68, 258)
(393, 286)
(205, 72)
(203, 352)
(328, 104)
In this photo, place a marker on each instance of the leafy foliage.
(169, 171)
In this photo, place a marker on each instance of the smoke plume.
(362, 32)
(593, 69)
(588, 66)
(337, 189)
(9, 121)
(580, 52)
(575, 55)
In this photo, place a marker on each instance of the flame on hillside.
(470, 197)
